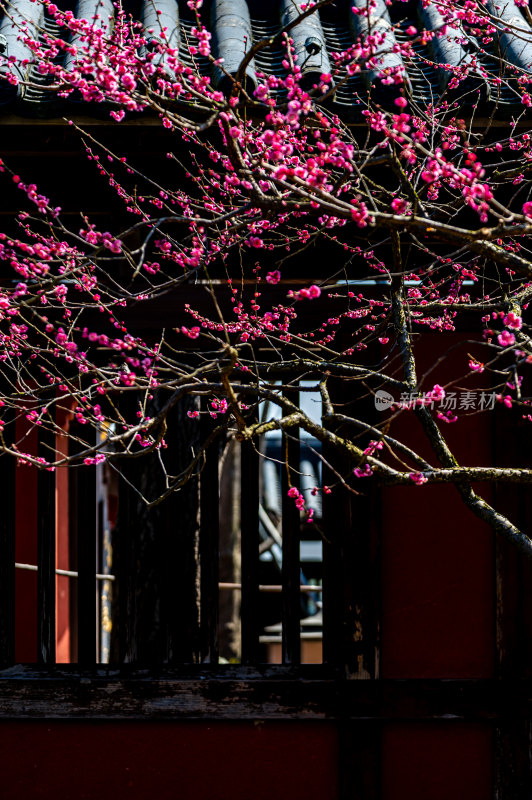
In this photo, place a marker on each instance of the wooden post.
(512, 767)
(87, 565)
(291, 571)
(46, 553)
(351, 605)
(209, 536)
(7, 550)
(249, 516)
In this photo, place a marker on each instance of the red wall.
(168, 761)
(438, 605)
(438, 587)
(26, 549)
(62, 543)
(443, 761)
(438, 566)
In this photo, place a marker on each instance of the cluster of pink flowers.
(298, 498)
(306, 294)
(363, 472)
(99, 458)
(266, 184)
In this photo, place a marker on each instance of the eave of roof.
(237, 24)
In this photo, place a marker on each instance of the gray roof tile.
(237, 24)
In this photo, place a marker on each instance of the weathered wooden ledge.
(308, 693)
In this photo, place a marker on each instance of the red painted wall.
(438, 571)
(438, 587)
(62, 544)
(169, 761)
(438, 604)
(443, 761)
(26, 549)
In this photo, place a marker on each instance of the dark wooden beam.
(306, 693)
(360, 756)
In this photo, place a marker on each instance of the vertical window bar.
(46, 552)
(86, 533)
(103, 588)
(361, 559)
(351, 561)
(360, 534)
(127, 545)
(291, 573)
(180, 544)
(249, 515)
(332, 564)
(209, 550)
(7, 550)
